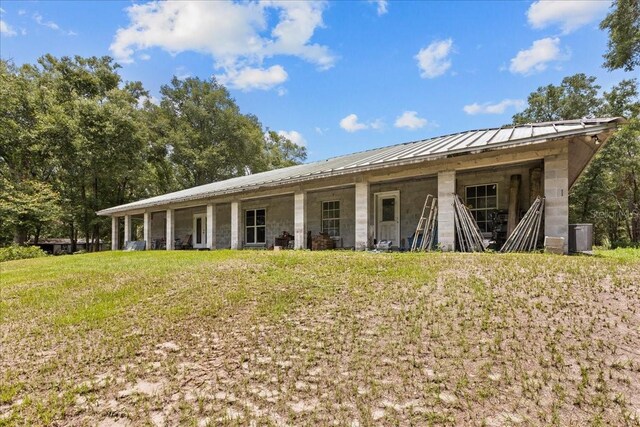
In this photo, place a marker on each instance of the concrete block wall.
(300, 220)
(412, 196)
(223, 226)
(158, 225)
(184, 220)
(502, 177)
(363, 229)
(279, 212)
(346, 197)
(556, 191)
(446, 229)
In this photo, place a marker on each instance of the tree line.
(75, 138)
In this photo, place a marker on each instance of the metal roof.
(472, 141)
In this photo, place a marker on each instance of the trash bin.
(580, 237)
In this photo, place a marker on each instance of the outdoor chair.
(184, 243)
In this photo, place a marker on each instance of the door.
(388, 217)
(199, 231)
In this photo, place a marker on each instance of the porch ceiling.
(473, 141)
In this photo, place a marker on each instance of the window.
(482, 199)
(389, 209)
(255, 225)
(331, 218)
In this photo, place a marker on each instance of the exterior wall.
(556, 191)
(446, 210)
(279, 212)
(412, 196)
(158, 225)
(502, 177)
(346, 197)
(223, 226)
(184, 221)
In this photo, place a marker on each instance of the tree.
(576, 97)
(623, 25)
(73, 134)
(208, 139)
(608, 192)
(26, 208)
(72, 124)
(281, 152)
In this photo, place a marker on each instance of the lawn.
(320, 338)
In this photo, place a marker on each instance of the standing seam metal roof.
(463, 142)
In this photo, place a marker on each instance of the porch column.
(211, 226)
(115, 233)
(170, 233)
(127, 228)
(446, 192)
(147, 231)
(362, 216)
(556, 192)
(236, 240)
(300, 220)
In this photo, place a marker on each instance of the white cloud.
(383, 6)
(377, 124)
(22, 12)
(144, 57)
(2, 11)
(238, 36)
(536, 58)
(568, 15)
(488, 108)
(49, 24)
(351, 124)
(254, 78)
(6, 29)
(293, 136)
(433, 60)
(410, 120)
(182, 73)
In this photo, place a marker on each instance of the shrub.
(14, 252)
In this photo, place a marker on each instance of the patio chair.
(184, 243)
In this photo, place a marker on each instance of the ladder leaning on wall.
(426, 225)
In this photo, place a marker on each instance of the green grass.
(310, 338)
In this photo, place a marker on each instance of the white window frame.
(339, 218)
(485, 209)
(255, 226)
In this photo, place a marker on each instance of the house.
(378, 194)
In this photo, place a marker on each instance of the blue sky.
(337, 76)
